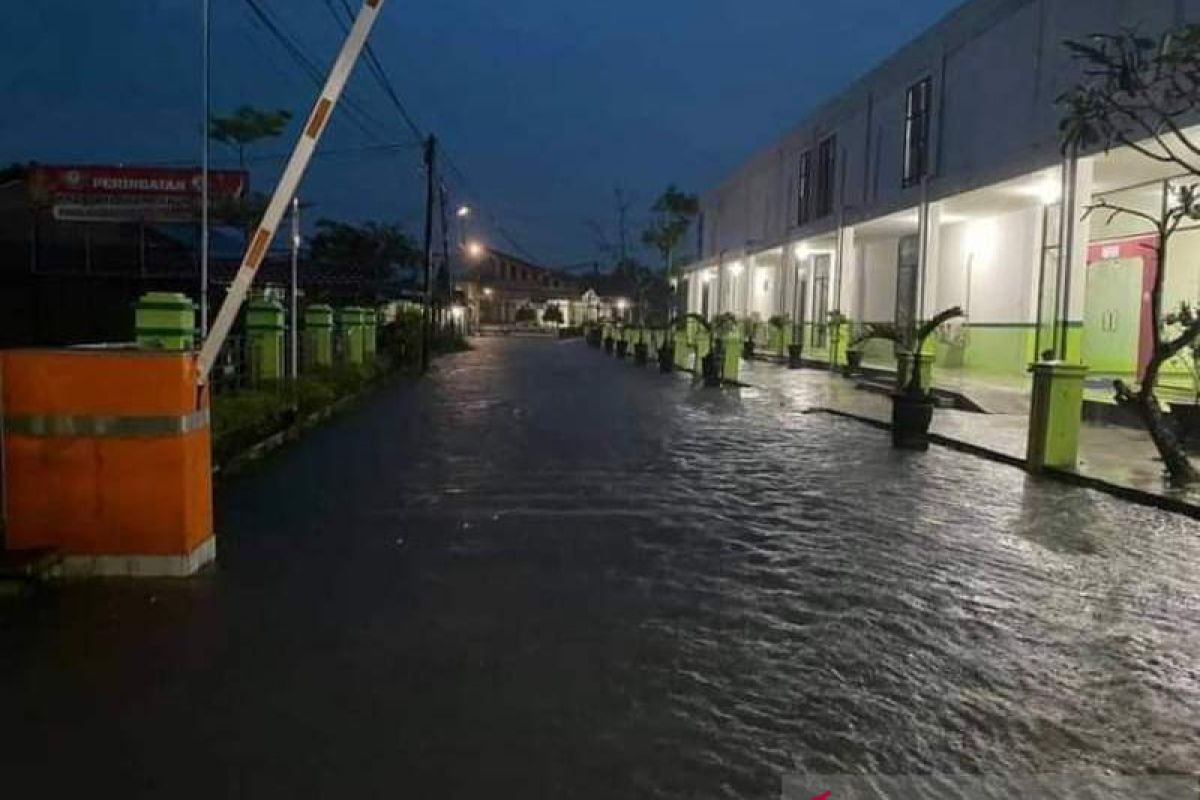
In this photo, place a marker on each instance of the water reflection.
(546, 573)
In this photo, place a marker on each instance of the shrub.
(241, 419)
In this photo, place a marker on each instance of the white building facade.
(939, 180)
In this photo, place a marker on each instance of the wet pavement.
(544, 573)
(1114, 454)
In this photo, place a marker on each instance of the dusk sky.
(545, 105)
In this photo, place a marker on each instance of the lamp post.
(205, 82)
(294, 303)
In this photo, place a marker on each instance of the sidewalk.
(1123, 457)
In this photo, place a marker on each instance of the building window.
(916, 132)
(804, 189)
(826, 169)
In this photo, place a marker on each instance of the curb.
(1127, 493)
(291, 433)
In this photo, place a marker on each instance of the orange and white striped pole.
(356, 40)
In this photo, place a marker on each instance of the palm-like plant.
(911, 341)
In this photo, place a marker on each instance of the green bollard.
(1054, 415)
(731, 362)
(370, 334)
(682, 349)
(318, 336)
(165, 321)
(264, 337)
(351, 322)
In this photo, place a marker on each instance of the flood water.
(542, 573)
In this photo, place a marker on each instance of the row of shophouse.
(937, 180)
(80, 244)
(499, 286)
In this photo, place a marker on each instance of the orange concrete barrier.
(107, 457)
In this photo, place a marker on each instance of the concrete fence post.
(318, 336)
(264, 336)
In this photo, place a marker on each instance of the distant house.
(498, 285)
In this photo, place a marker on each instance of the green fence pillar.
(1054, 415)
(318, 336)
(165, 321)
(370, 334)
(351, 321)
(264, 339)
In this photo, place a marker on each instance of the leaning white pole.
(286, 189)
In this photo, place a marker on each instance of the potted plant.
(622, 342)
(776, 325)
(854, 357)
(912, 403)
(749, 326)
(796, 347)
(666, 349)
(710, 365)
(640, 350)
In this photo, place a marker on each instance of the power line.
(383, 148)
(380, 74)
(359, 116)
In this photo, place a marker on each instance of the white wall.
(1001, 254)
(877, 270)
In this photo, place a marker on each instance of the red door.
(1143, 249)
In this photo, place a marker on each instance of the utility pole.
(205, 82)
(427, 313)
(294, 344)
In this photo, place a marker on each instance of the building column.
(1056, 406)
(929, 266)
(1078, 181)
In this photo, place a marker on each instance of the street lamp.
(463, 211)
(474, 249)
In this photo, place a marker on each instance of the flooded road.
(544, 573)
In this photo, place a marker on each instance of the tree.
(245, 126)
(377, 252)
(526, 314)
(553, 315)
(673, 215)
(1138, 92)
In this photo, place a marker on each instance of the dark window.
(916, 132)
(826, 169)
(804, 189)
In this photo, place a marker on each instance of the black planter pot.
(641, 354)
(622, 348)
(795, 351)
(666, 360)
(853, 362)
(709, 368)
(748, 349)
(594, 338)
(911, 415)
(608, 344)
